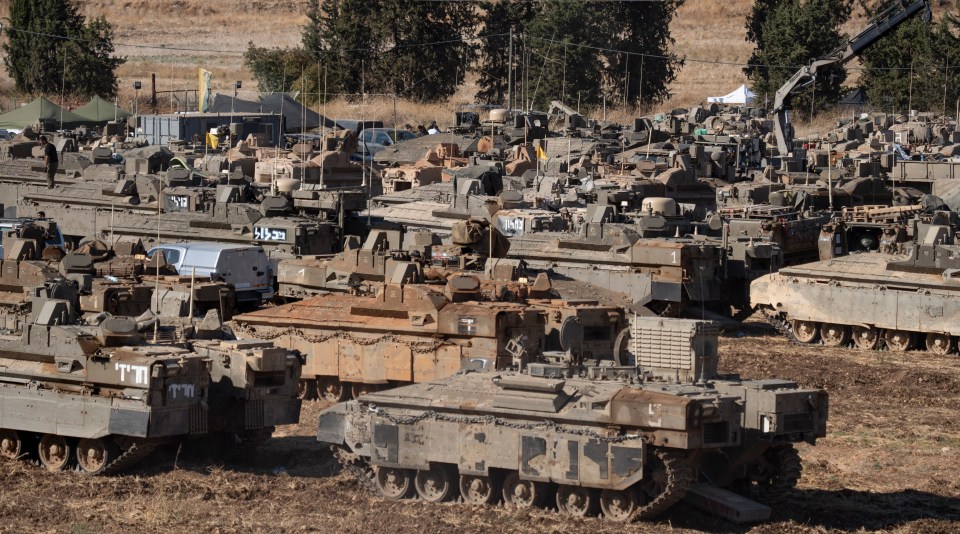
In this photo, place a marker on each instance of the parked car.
(373, 140)
(246, 267)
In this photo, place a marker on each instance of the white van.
(245, 266)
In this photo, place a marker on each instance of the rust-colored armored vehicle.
(97, 395)
(628, 440)
(872, 299)
(403, 334)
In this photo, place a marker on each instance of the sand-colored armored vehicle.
(631, 441)
(95, 395)
(872, 299)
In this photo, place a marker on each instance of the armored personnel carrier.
(872, 299)
(403, 334)
(630, 440)
(95, 395)
(663, 274)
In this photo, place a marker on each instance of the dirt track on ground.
(890, 463)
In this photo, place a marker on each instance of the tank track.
(137, 451)
(786, 473)
(781, 325)
(680, 474)
(354, 464)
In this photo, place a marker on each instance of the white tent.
(741, 95)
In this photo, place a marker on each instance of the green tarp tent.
(99, 111)
(40, 109)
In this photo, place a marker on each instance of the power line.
(457, 40)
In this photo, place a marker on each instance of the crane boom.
(885, 22)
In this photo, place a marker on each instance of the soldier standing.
(49, 160)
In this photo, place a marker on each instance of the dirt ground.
(890, 463)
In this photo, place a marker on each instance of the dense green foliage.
(580, 52)
(418, 50)
(51, 47)
(917, 66)
(788, 34)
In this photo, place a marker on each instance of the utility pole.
(510, 74)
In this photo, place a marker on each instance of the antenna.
(156, 290)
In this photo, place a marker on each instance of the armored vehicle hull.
(858, 299)
(627, 440)
(632, 451)
(72, 394)
(405, 334)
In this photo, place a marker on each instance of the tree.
(915, 67)
(642, 31)
(410, 48)
(338, 35)
(788, 34)
(276, 69)
(580, 52)
(50, 47)
(492, 67)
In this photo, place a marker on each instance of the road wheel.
(834, 335)
(435, 484)
(577, 501)
(94, 455)
(939, 343)
(479, 489)
(523, 493)
(10, 444)
(865, 338)
(898, 340)
(54, 452)
(620, 506)
(357, 389)
(307, 390)
(394, 483)
(806, 331)
(330, 388)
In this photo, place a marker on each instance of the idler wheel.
(577, 501)
(523, 493)
(94, 455)
(10, 444)
(805, 331)
(898, 340)
(939, 343)
(834, 335)
(394, 483)
(329, 388)
(619, 506)
(865, 338)
(479, 489)
(54, 452)
(435, 484)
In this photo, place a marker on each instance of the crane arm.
(885, 22)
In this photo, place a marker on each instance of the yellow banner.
(203, 95)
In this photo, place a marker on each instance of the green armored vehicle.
(631, 437)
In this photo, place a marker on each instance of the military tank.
(95, 395)
(628, 440)
(871, 300)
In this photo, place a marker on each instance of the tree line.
(577, 51)
(581, 52)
